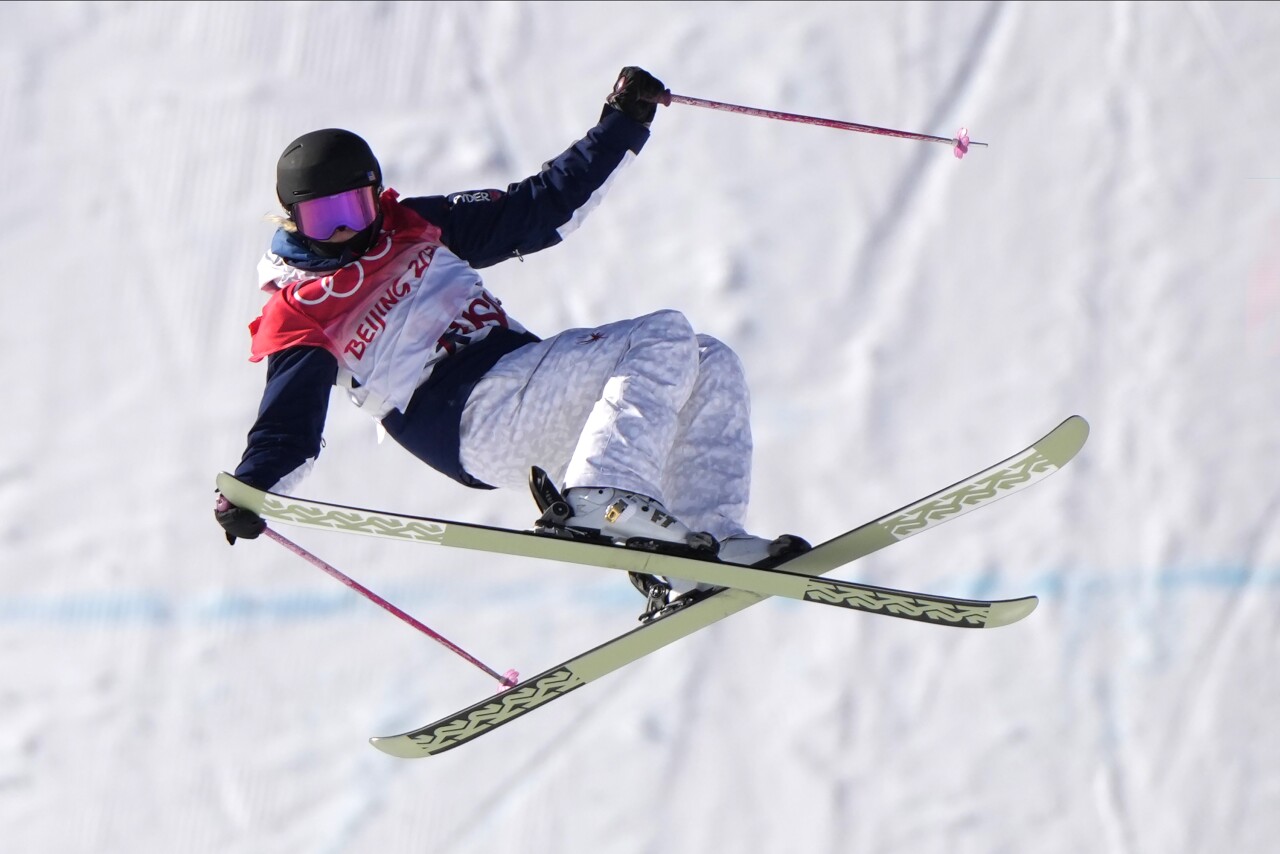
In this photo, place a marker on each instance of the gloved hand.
(634, 94)
(237, 521)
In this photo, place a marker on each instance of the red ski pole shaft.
(508, 679)
(667, 98)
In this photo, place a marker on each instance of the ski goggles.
(320, 218)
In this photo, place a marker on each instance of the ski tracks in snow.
(887, 255)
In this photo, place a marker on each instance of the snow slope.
(905, 318)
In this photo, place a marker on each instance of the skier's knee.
(714, 353)
(670, 330)
(673, 323)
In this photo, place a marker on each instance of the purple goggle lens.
(320, 218)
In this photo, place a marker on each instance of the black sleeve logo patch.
(475, 196)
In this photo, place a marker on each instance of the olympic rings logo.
(327, 285)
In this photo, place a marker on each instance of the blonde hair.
(283, 222)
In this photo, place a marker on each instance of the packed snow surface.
(905, 319)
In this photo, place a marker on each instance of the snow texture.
(904, 318)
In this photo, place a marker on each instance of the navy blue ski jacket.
(481, 228)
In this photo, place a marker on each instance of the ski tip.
(1079, 426)
(1079, 430)
(240, 493)
(1066, 440)
(1011, 611)
(398, 746)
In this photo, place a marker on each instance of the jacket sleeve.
(484, 227)
(286, 437)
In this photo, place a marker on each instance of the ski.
(941, 610)
(1029, 466)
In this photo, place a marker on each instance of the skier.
(643, 421)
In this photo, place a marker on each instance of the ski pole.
(960, 142)
(508, 679)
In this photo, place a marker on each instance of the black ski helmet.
(324, 162)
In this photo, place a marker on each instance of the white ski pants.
(646, 405)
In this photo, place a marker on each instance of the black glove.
(636, 94)
(237, 521)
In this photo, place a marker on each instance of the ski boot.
(616, 517)
(746, 550)
(663, 596)
(661, 600)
